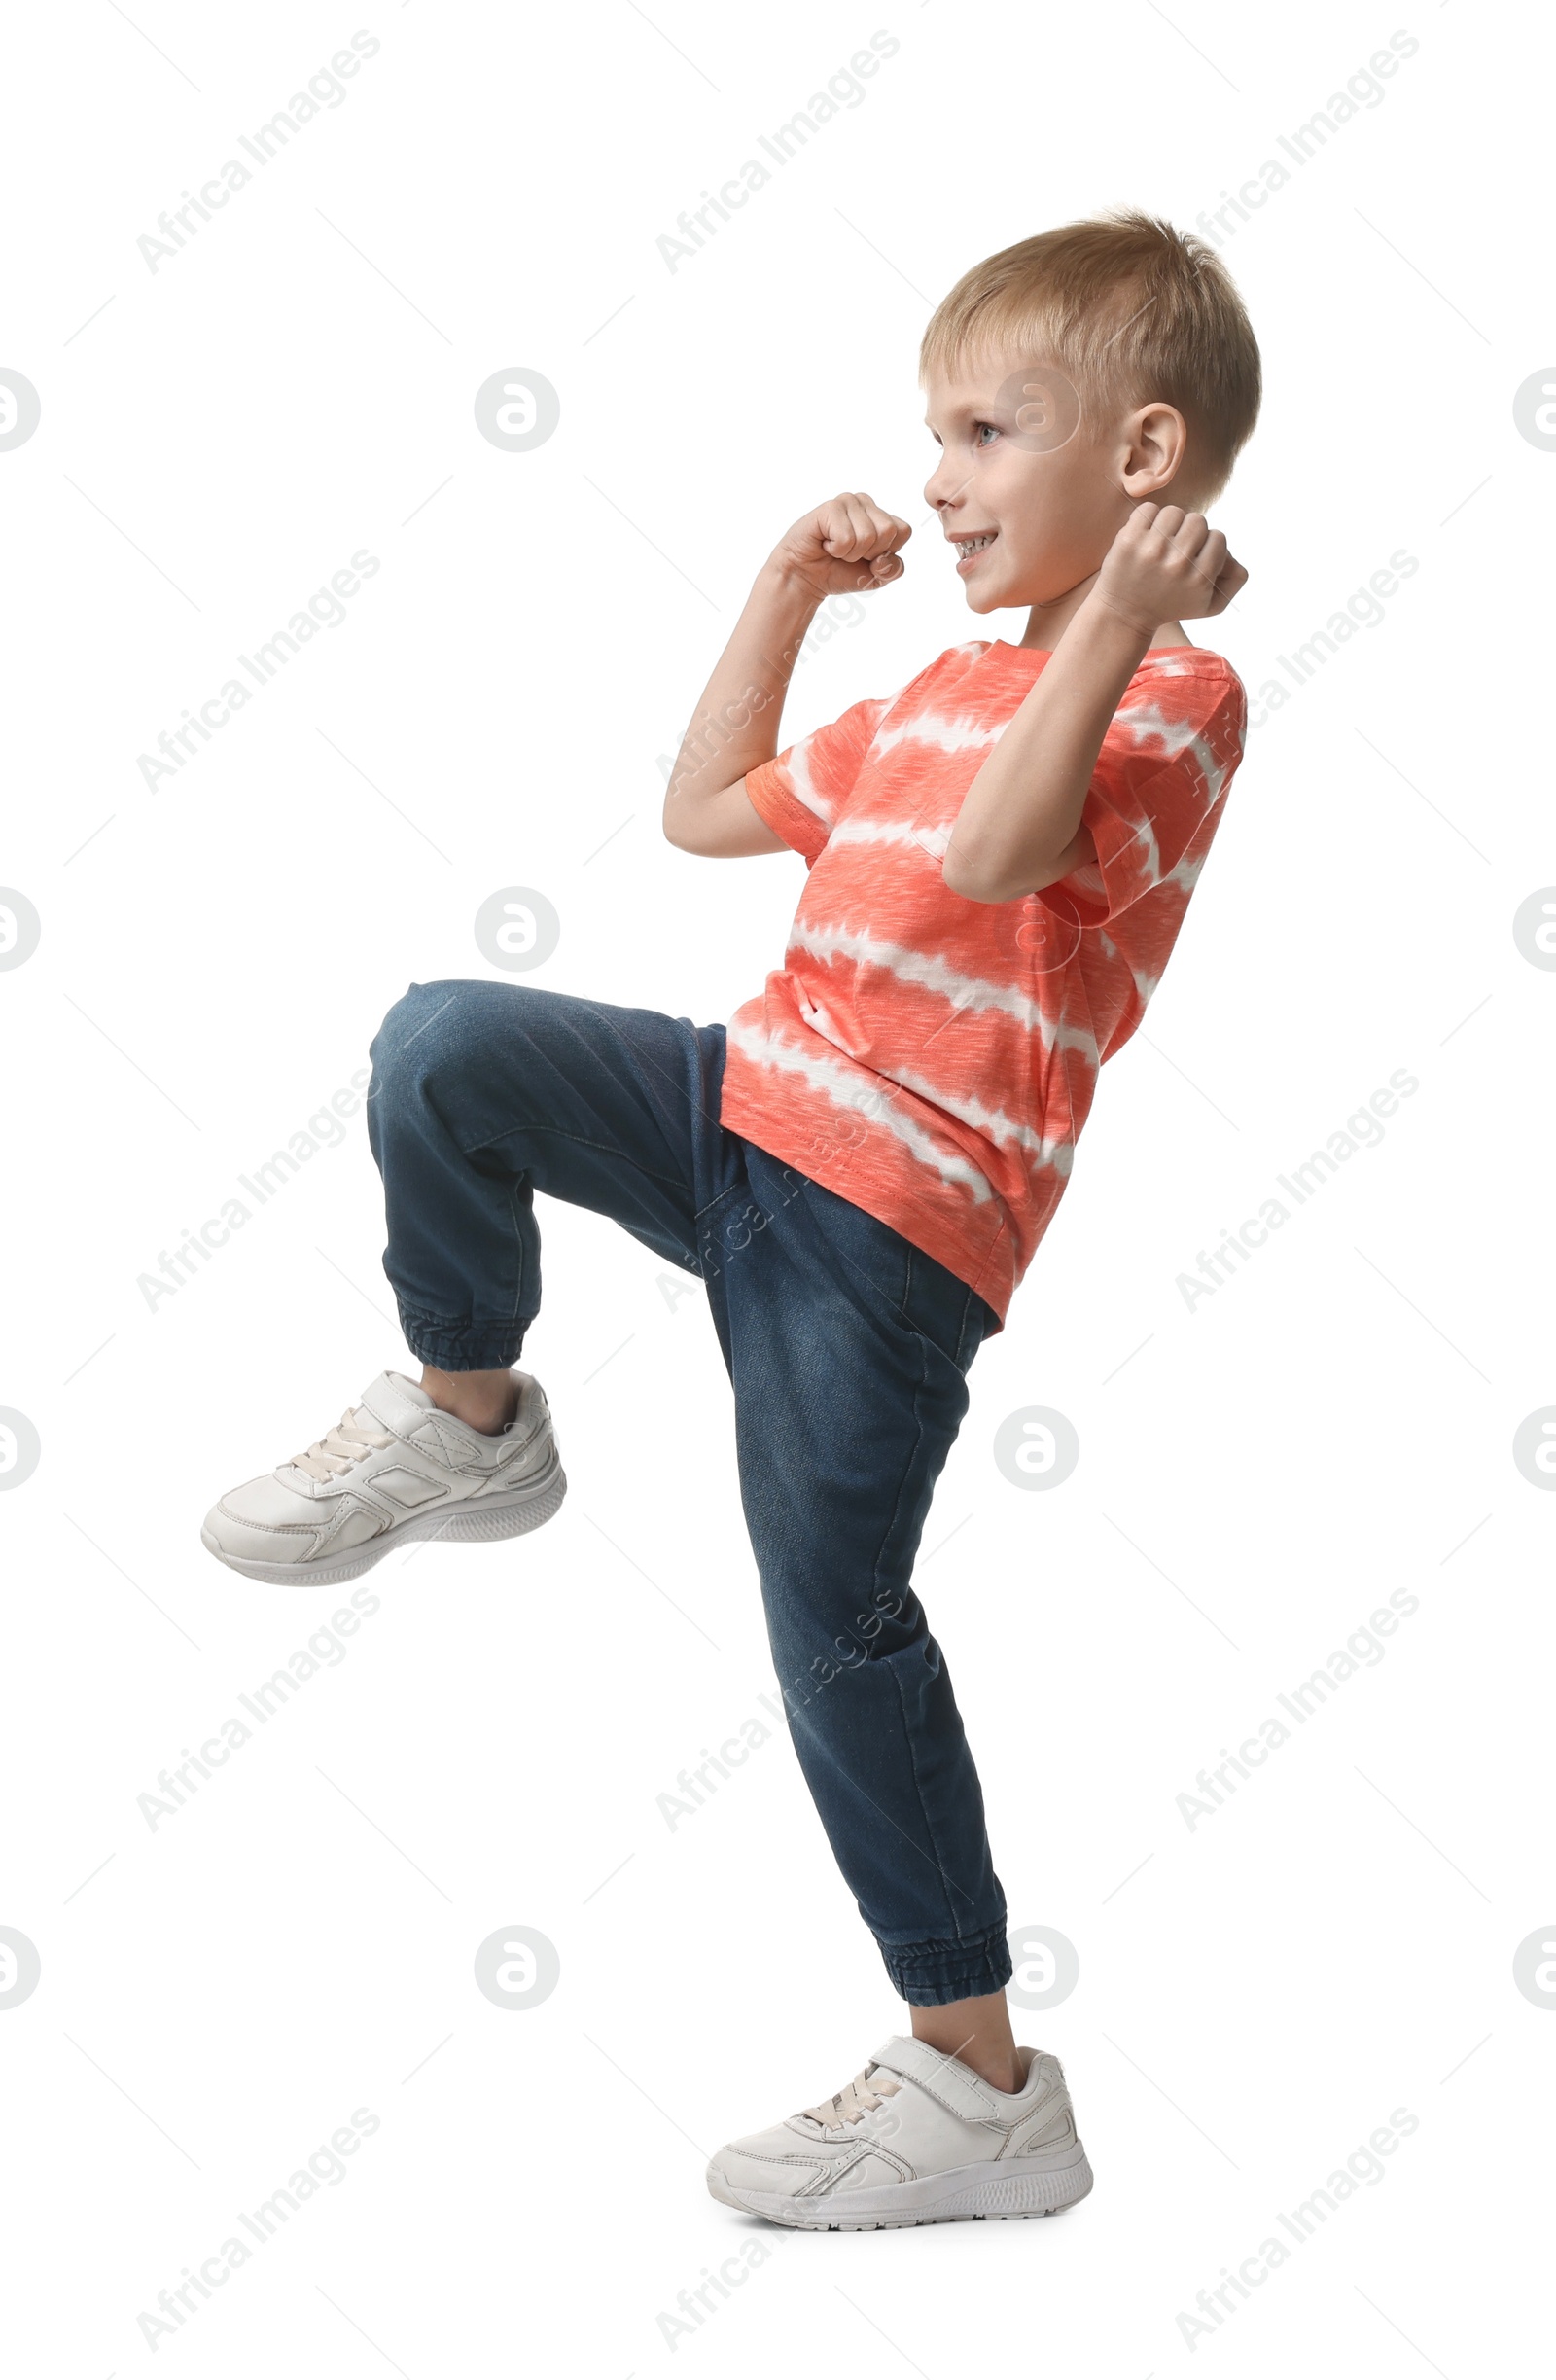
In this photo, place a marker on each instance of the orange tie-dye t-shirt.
(930, 1058)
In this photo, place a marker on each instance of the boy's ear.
(1156, 437)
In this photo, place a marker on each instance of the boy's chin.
(981, 599)
(998, 593)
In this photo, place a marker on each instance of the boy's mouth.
(968, 548)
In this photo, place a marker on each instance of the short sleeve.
(802, 793)
(1155, 797)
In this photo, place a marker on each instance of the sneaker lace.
(856, 2098)
(339, 1448)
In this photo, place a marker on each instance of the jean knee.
(410, 1038)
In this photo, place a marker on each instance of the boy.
(861, 1168)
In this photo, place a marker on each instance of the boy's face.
(1022, 467)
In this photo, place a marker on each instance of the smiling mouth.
(967, 548)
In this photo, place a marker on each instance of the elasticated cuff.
(453, 1347)
(929, 1974)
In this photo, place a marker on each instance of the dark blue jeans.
(847, 1349)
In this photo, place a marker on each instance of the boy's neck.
(1047, 623)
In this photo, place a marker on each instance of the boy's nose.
(945, 485)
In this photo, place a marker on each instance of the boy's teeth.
(975, 545)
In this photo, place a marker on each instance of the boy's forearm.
(1023, 808)
(734, 726)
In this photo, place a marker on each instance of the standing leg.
(849, 1350)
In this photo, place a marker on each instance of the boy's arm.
(1019, 828)
(847, 546)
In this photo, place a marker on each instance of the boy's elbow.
(975, 880)
(993, 877)
(678, 820)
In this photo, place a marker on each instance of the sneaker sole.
(1010, 2192)
(512, 1514)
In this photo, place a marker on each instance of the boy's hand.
(843, 548)
(1167, 564)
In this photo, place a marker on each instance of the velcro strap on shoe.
(391, 1409)
(947, 2080)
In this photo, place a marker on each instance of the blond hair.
(1132, 310)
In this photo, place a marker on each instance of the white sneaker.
(393, 1468)
(916, 2138)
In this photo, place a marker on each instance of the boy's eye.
(978, 430)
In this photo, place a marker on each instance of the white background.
(1257, 1474)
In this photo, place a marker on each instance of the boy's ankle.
(976, 2032)
(485, 1402)
(1006, 2074)
(999, 2073)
